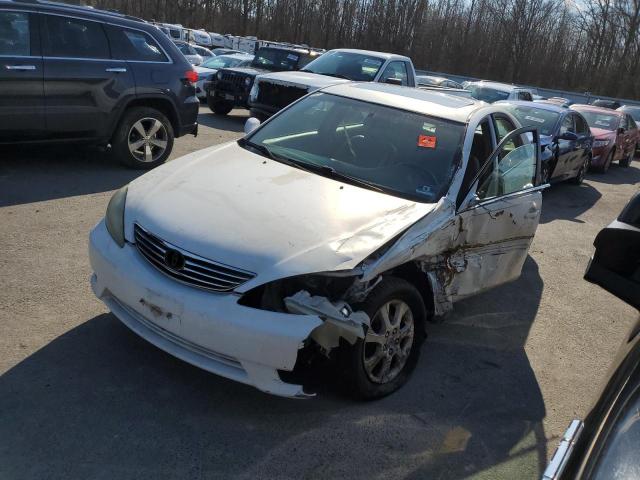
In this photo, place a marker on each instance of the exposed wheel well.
(412, 273)
(159, 104)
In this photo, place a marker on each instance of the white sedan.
(337, 228)
(209, 67)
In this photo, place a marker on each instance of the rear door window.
(74, 38)
(581, 125)
(134, 45)
(14, 34)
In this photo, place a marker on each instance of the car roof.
(590, 108)
(427, 102)
(552, 107)
(385, 55)
(505, 87)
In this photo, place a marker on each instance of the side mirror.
(250, 125)
(393, 81)
(570, 136)
(615, 266)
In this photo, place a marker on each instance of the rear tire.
(579, 178)
(382, 362)
(625, 162)
(144, 138)
(218, 106)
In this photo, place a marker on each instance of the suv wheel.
(383, 361)
(218, 107)
(144, 138)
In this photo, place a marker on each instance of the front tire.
(382, 362)
(144, 138)
(218, 107)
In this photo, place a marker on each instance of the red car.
(615, 135)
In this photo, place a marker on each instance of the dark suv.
(231, 86)
(70, 73)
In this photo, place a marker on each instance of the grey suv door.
(83, 85)
(21, 91)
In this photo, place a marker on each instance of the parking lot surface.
(83, 397)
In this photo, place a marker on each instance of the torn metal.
(340, 321)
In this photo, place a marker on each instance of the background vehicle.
(199, 37)
(175, 32)
(493, 91)
(605, 444)
(219, 41)
(612, 104)
(205, 53)
(273, 91)
(615, 135)
(226, 51)
(189, 52)
(429, 80)
(99, 77)
(386, 161)
(565, 139)
(634, 111)
(231, 86)
(562, 102)
(209, 67)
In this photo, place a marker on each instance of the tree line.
(589, 45)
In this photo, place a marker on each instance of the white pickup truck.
(274, 91)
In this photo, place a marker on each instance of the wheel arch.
(163, 105)
(412, 273)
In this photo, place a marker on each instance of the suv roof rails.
(81, 8)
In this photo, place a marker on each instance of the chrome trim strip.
(563, 452)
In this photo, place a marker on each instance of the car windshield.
(487, 94)
(349, 65)
(382, 148)
(601, 120)
(545, 120)
(221, 61)
(276, 59)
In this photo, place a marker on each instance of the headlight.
(219, 75)
(247, 81)
(253, 94)
(601, 143)
(114, 219)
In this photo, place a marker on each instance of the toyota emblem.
(174, 260)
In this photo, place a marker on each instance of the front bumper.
(207, 329)
(239, 98)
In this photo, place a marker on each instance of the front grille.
(278, 96)
(231, 82)
(196, 271)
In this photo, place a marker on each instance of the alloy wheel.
(147, 140)
(388, 341)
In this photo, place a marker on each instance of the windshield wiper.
(333, 173)
(262, 149)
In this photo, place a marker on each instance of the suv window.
(522, 95)
(623, 122)
(395, 70)
(14, 34)
(567, 125)
(133, 45)
(74, 38)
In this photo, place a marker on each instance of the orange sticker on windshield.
(427, 141)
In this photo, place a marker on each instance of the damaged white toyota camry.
(339, 227)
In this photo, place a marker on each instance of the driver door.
(498, 218)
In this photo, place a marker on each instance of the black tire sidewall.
(388, 289)
(120, 146)
(218, 107)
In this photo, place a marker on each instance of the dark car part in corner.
(79, 74)
(605, 445)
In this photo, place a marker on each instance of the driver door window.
(512, 168)
(395, 70)
(567, 125)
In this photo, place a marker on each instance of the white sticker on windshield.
(534, 119)
(293, 57)
(604, 123)
(429, 127)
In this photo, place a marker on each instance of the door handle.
(116, 70)
(20, 67)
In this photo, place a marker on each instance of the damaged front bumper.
(209, 330)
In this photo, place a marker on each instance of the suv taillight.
(191, 76)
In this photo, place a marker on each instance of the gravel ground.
(83, 397)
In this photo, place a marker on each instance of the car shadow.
(34, 173)
(233, 122)
(617, 175)
(564, 201)
(100, 402)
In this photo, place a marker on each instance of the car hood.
(238, 208)
(250, 71)
(601, 133)
(304, 79)
(205, 70)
